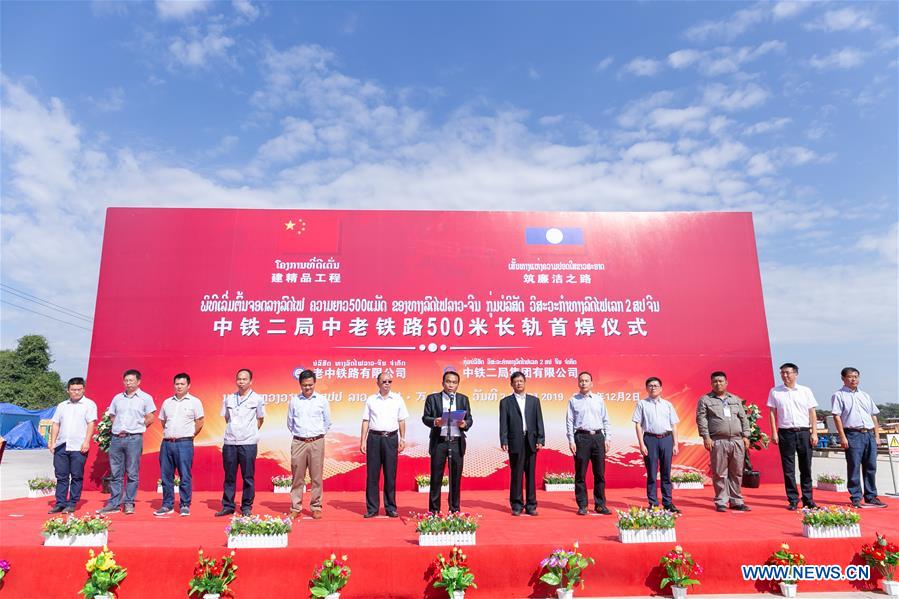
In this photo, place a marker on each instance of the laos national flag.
(554, 240)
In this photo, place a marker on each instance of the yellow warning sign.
(893, 443)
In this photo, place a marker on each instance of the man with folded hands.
(308, 420)
(382, 439)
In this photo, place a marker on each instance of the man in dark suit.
(521, 434)
(447, 439)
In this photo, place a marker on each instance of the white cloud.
(681, 59)
(113, 100)
(298, 138)
(740, 22)
(760, 165)
(109, 8)
(643, 67)
(177, 10)
(199, 51)
(845, 58)
(691, 118)
(533, 74)
(350, 24)
(884, 244)
(722, 60)
(246, 9)
(774, 124)
(605, 63)
(634, 112)
(720, 96)
(842, 19)
(787, 9)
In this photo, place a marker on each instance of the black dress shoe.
(856, 504)
(672, 508)
(602, 510)
(531, 512)
(720, 508)
(223, 512)
(741, 508)
(392, 515)
(876, 502)
(516, 512)
(792, 507)
(810, 505)
(70, 509)
(582, 511)
(56, 509)
(370, 514)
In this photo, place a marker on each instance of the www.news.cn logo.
(807, 572)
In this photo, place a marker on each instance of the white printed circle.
(443, 347)
(432, 347)
(554, 236)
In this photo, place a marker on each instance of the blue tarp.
(11, 415)
(24, 436)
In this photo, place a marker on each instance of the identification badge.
(727, 413)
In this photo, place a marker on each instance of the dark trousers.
(245, 457)
(861, 453)
(658, 459)
(522, 463)
(590, 449)
(380, 454)
(792, 443)
(176, 455)
(438, 462)
(69, 469)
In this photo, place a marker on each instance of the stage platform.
(386, 560)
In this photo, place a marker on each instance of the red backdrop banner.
(350, 293)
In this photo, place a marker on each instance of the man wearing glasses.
(383, 438)
(655, 418)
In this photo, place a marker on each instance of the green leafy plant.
(73, 525)
(687, 477)
(831, 515)
(558, 478)
(282, 480)
(786, 557)
(452, 573)
(212, 575)
(103, 574)
(177, 481)
(435, 523)
(638, 518)
(680, 568)
(565, 568)
(103, 433)
(757, 439)
(831, 479)
(331, 576)
(41, 483)
(881, 555)
(259, 525)
(423, 480)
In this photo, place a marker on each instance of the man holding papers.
(448, 415)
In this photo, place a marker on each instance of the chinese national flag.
(307, 232)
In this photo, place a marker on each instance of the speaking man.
(244, 412)
(587, 428)
(447, 441)
(70, 437)
(182, 418)
(722, 423)
(655, 421)
(132, 412)
(382, 439)
(521, 434)
(308, 419)
(855, 416)
(794, 430)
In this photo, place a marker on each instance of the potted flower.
(646, 525)
(786, 557)
(757, 441)
(211, 576)
(564, 570)
(177, 484)
(331, 576)
(252, 532)
(681, 571)
(831, 482)
(423, 482)
(41, 486)
(103, 437)
(282, 483)
(72, 531)
(883, 556)
(453, 574)
(830, 522)
(687, 480)
(4, 568)
(103, 575)
(561, 481)
(437, 529)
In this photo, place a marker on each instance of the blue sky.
(788, 110)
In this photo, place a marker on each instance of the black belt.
(308, 439)
(383, 433)
(858, 430)
(178, 439)
(794, 430)
(662, 436)
(734, 438)
(123, 435)
(449, 439)
(588, 432)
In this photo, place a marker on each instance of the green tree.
(25, 376)
(888, 410)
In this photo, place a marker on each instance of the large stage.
(387, 562)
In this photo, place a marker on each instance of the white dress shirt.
(241, 414)
(791, 406)
(179, 415)
(521, 400)
(385, 413)
(308, 416)
(587, 412)
(73, 418)
(855, 408)
(656, 416)
(129, 412)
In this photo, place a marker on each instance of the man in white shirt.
(70, 436)
(655, 419)
(132, 412)
(793, 429)
(383, 438)
(244, 412)
(308, 420)
(182, 418)
(855, 416)
(589, 439)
